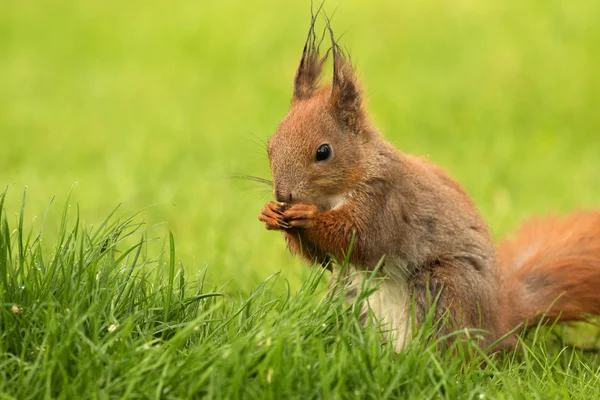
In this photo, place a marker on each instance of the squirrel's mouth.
(325, 202)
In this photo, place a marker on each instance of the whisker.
(262, 142)
(262, 147)
(257, 141)
(257, 189)
(252, 178)
(251, 195)
(260, 187)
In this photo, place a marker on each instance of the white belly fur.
(390, 303)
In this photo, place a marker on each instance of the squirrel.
(338, 184)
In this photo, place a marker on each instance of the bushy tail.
(551, 267)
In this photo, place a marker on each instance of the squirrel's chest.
(390, 302)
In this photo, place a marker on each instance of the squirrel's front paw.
(301, 215)
(272, 216)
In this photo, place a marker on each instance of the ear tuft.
(307, 75)
(346, 100)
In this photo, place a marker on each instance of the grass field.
(152, 106)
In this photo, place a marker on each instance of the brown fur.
(551, 267)
(412, 213)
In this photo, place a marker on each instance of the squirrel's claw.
(278, 217)
(301, 215)
(272, 216)
(284, 225)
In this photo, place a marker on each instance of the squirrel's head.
(316, 154)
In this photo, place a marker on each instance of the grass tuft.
(95, 315)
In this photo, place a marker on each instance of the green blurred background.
(156, 102)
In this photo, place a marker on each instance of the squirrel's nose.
(282, 196)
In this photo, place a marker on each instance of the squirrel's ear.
(346, 100)
(307, 75)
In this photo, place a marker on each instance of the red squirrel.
(336, 181)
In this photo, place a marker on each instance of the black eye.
(323, 152)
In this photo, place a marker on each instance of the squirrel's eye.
(323, 152)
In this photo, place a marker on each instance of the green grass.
(155, 104)
(89, 316)
(152, 105)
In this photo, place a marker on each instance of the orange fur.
(412, 214)
(552, 266)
